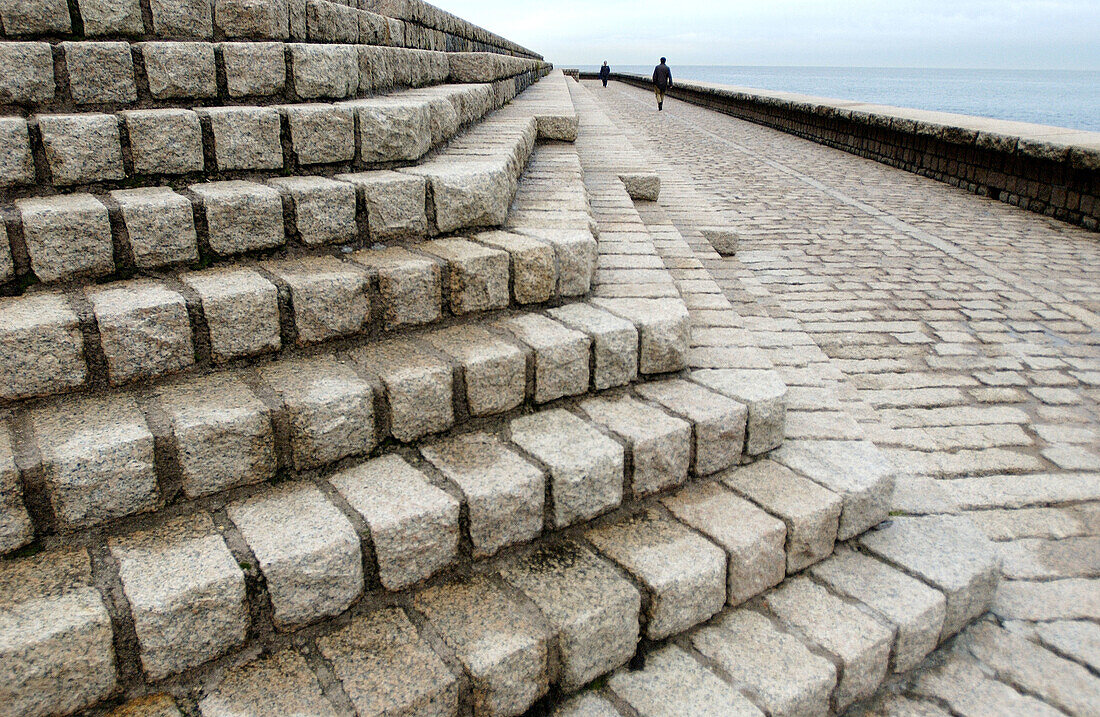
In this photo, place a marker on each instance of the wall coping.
(1079, 147)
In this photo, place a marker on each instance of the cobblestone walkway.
(966, 334)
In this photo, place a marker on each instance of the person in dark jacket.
(605, 73)
(662, 80)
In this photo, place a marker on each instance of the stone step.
(811, 646)
(118, 75)
(374, 22)
(472, 182)
(305, 549)
(493, 638)
(93, 459)
(112, 334)
(144, 146)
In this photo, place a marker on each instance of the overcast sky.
(1004, 34)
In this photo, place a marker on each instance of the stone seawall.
(1049, 170)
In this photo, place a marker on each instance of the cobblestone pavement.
(967, 333)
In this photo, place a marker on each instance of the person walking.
(605, 73)
(662, 80)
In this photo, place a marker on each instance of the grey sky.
(1014, 34)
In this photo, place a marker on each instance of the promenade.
(964, 337)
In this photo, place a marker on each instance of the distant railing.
(1049, 170)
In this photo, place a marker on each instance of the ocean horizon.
(1061, 98)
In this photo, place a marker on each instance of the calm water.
(1062, 99)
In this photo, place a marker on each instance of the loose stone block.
(719, 422)
(322, 134)
(810, 512)
(183, 18)
(674, 683)
(28, 70)
(413, 524)
(534, 274)
(56, 652)
(664, 327)
(586, 467)
(100, 72)
(16, 529)
(561, 128)
(854, 470)
(501, 643)
(503, 492)
(241, 216)
(385, 667)
(223, 433)
(330, 410)
(67, 236)
(186, 594)
(861, 643)
(645, 187)
(254, 68)
(752, 539)
(160, 226)
(97, 454)
(165, 141)
(241, 309)
(410, 286)
(684, 573)
(395, 204)
(41, 346)
(561, 355)
(476, 277)
(323, 210)
(392, 130)
(329, 71)
(494, 371)
(248, 18)
(143, 328)
(949, 553)
(179, 69)
(245, 137)
(111, 17)
(614, 343)
(915, 610)
(724, 241)
(660, 445)
(468, 195)
(81, 149)
(589, 605)
(331, 298)
(787, 679)
(37, 18)
(765, 396)
(318, 573)
(249, 690)
(16, 162)
(419, 387)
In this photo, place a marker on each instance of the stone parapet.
(1049, 170)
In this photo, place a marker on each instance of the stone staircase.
(341, 374)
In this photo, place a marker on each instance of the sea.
(1058, 98)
